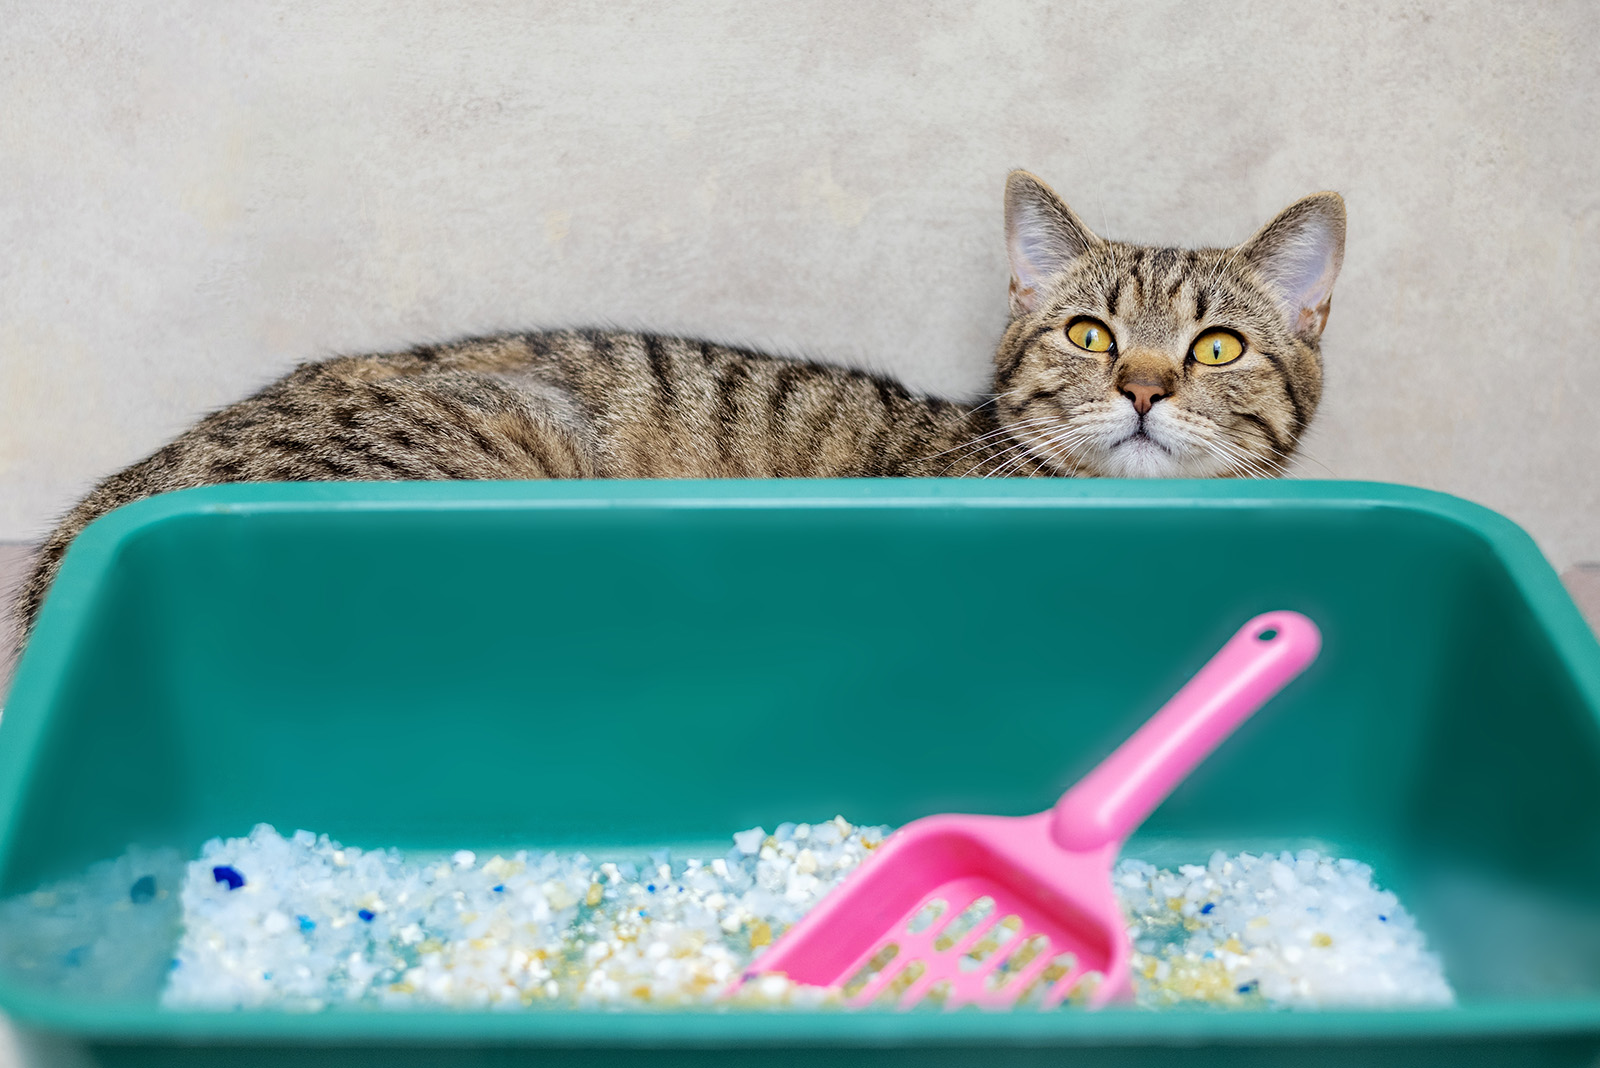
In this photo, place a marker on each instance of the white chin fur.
(1141, 457)
(1164, 450)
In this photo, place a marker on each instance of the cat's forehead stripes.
(1165, 294)
(1159, 295)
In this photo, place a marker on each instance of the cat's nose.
(1144, 394)
(1145, 377)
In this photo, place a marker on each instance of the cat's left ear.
(1299, 254)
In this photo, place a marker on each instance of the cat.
(1119, 360)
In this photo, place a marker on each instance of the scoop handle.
(1109, 803)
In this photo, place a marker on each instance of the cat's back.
(558, 404)
(647, 405)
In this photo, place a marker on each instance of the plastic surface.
(617, 665)
(1049, 874)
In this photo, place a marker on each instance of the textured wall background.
(193, 197)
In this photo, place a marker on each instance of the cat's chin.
(1140, 455)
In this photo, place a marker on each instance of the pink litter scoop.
(997, 910)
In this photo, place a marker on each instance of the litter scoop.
(998, 911)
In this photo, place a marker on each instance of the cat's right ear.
(1043, 237)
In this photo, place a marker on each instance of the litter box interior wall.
(194, 198)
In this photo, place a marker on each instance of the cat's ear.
(1299, 254)
(1043, 237)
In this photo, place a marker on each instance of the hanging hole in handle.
(1268, 634)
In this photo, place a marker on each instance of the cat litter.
(107, 932)
(1286, 929)
(303, 923)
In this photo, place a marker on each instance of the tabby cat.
(1119, 360)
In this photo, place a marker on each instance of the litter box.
(612, 665)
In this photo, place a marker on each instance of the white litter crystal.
(312, 923)
(1295, 929)
(108, 932)
(304, 922)
(367, 926)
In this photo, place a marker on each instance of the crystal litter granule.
(1286, 929)
(107, 932)
(303, 922)
(313, 923)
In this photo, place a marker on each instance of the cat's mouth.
(1139, 453)
(1114, 441)
(1138, 439)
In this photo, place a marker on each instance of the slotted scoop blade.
(996, 910)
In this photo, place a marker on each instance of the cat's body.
(1100, 333)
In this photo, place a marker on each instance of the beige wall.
(194, 196)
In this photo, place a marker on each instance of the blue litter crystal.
(143, 889)
(1247, 988)
(366, 915)
(1383, 919)
(307, 923)
(650, 887)
(1206, 909)
(499, 888)
(225, 873)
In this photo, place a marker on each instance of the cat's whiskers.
(1093, 436)
(1301, 453)
(999, 429)
(1068, 447)
(1010, 446)
(1021, 444)
(1031, 451)
(1230, 465)
(1047, 458)
(1194, 434)
(1237, 452)
(1011, 429)
(986, 440)
(1006, 429)
(994, 398)
(1259, 466)
(1019, 451)
(1269, 460)
(1070, 436)
(1007, 446)
(1191, 436)
(1206, 432)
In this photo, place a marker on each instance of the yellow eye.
(1090, 335)
(1217, 347)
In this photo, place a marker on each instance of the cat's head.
(1132, 361)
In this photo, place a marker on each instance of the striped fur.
(614, 404)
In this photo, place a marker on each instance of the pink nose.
(1143, 394)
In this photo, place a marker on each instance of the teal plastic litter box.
(610, 665)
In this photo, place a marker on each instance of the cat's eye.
(1090, 335)
(1217, 347)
